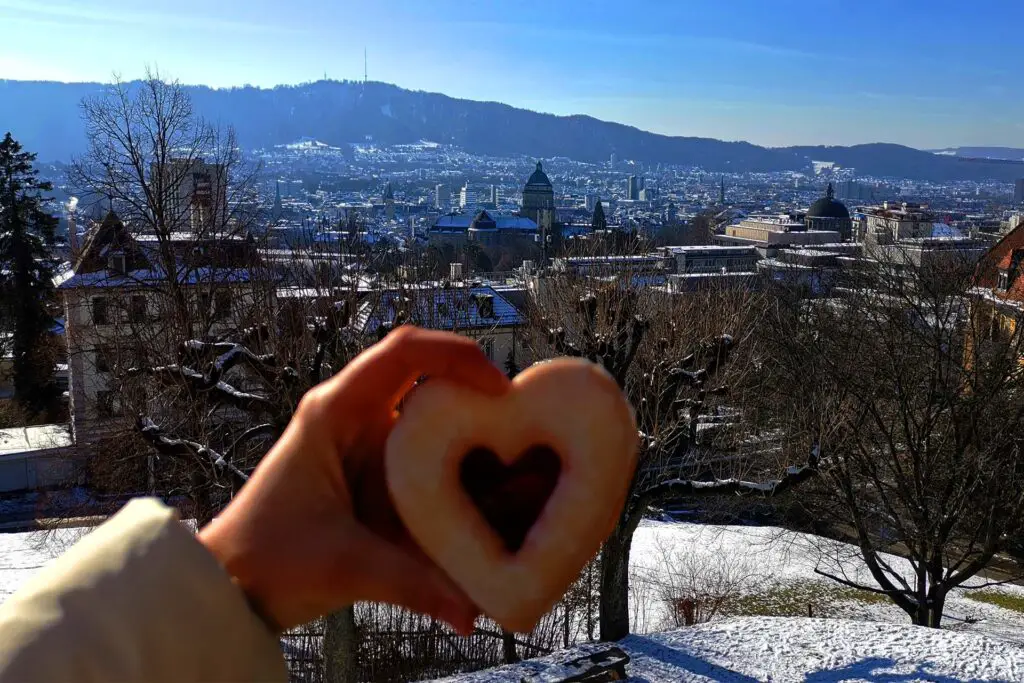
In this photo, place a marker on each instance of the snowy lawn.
(756, 649)
(24, 554)
(767, 571)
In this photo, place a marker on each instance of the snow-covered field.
(23, 554)
(757, 649)
(766, 572)
(774, 570)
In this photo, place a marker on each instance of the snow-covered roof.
(28, 439)
(155, 275)
(441, 309)
(459, 222)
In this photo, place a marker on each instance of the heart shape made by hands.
(512, 495)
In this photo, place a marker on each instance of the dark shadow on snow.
(640, 645)
(868, 670)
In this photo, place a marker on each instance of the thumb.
(383, 572)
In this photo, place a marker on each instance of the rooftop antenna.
(364, 66)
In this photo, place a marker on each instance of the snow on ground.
(24, 554)
(774, 570)
(755, 649)
(765, 571)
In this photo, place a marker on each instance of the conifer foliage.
(26, 276)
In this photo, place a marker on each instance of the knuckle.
(313, 401)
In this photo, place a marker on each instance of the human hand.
(314, 529)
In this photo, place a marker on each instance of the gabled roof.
(454, 309)
(1000, 258)
(110, 235)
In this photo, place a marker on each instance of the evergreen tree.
(26, 275)
(599, 222)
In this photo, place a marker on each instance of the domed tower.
(828, 213)
(538, 196)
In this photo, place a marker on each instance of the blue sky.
(775, 72)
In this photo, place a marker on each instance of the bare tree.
(917, 411)
(177, 181)
(673, 356)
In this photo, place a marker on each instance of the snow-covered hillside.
(757, 649)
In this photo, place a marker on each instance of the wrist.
(236, 563)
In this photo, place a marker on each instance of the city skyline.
(927, 76)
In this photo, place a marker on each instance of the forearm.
(137, 599)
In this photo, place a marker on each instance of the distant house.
(997, 304)
(121, 311)
(34, 458)
(480, 313)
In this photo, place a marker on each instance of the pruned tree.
(918, 409)
(674, 358)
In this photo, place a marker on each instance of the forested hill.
(46, 118)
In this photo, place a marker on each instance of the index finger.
(386, 371)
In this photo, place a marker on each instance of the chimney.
(456, 271)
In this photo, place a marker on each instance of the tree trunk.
(508, 647)
(930, 611)
(340, 647)
(614, 600)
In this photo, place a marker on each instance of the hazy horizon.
(795, 72)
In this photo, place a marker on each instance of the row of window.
(103, 313)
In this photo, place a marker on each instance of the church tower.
(278, 209)
(538, 196)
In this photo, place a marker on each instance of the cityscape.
(220, 302)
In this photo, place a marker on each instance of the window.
(116, 263)
(100, 311)
(104, 359)
(108, 404)
(487, 344)
(222, 304)
(137, 309)
(204, 303)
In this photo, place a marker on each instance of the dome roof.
(828, 207)
(538, 179)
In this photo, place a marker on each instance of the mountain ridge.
(45, 117)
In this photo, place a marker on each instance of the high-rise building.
(590, 201)
(198, 195)
(467, 197)
(632, 190)
(612, 160)
(441, 197)
(1018, 191)
(851, 190)
(494, 195)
